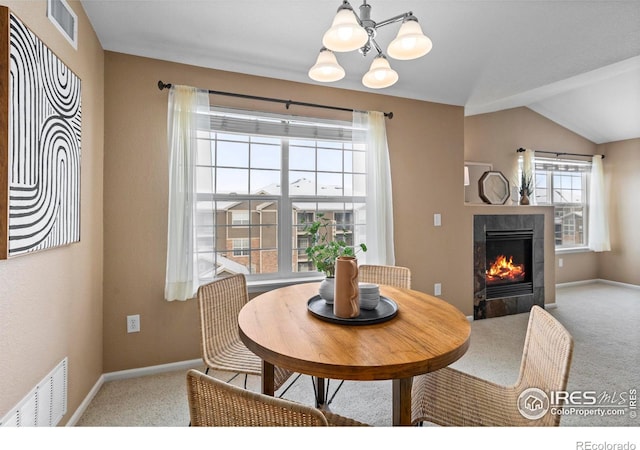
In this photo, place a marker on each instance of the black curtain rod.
(520, 150)
(287, 103)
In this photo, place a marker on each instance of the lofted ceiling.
(575, 62)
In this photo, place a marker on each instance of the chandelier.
(349, 32)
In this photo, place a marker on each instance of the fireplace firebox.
(508, 264)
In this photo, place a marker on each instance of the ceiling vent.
(64, 19)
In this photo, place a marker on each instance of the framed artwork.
(40, 137)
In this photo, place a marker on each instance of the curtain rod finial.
(162, 85)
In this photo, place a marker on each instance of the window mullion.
(285, 213)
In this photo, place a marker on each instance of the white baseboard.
(152, 370)
(594, 281)
(130, 373)
(85, 403)
(618, 283)
(575, 283)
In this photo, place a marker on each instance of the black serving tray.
(386, 310)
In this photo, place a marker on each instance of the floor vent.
(45, 405)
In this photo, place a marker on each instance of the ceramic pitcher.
(346, 298)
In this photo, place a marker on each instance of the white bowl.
(369, 302)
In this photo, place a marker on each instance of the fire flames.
(503, 270)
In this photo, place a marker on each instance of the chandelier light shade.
(345, 34)
(410, 43)
(349, 32)
(326, 68)
(380, 74)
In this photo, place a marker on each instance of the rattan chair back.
(219, 304)
(395, 276)
(546, 357)
(451, 397)
(214, 403)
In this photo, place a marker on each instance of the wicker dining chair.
(219, 304)
(450, 397)
(214, 403)
(396, 276)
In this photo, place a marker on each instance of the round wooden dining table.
(426, 334)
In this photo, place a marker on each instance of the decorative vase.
(524, 199)
(346, 299)
(327, 287)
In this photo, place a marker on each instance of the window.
(261, 179)
(239, 218)
(563, 183)
(240, 247)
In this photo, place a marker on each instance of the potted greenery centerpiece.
(324, 249)
(526, 188)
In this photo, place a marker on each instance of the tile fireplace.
(508, 262)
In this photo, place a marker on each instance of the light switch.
(437, 220)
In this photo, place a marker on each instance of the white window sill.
(259, 286)
(560, 251)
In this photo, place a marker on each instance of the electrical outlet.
(133, 323)
(560, 262)
(437, 220)
(437, 289)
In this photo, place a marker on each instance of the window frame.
(549, 173)
(285, 245)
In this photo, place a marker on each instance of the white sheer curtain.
(598, 210)
(528, 168)
(181, 280)
(379, 219)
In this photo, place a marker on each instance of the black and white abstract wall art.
(43, 137)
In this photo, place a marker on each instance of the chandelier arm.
(395, 19)
(375, 44)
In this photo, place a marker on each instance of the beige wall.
(622, 176)
(426, 142)
(51, 301)
(576, 267)
(426, 146)
(494, 138)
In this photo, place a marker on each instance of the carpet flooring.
(603, 319)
